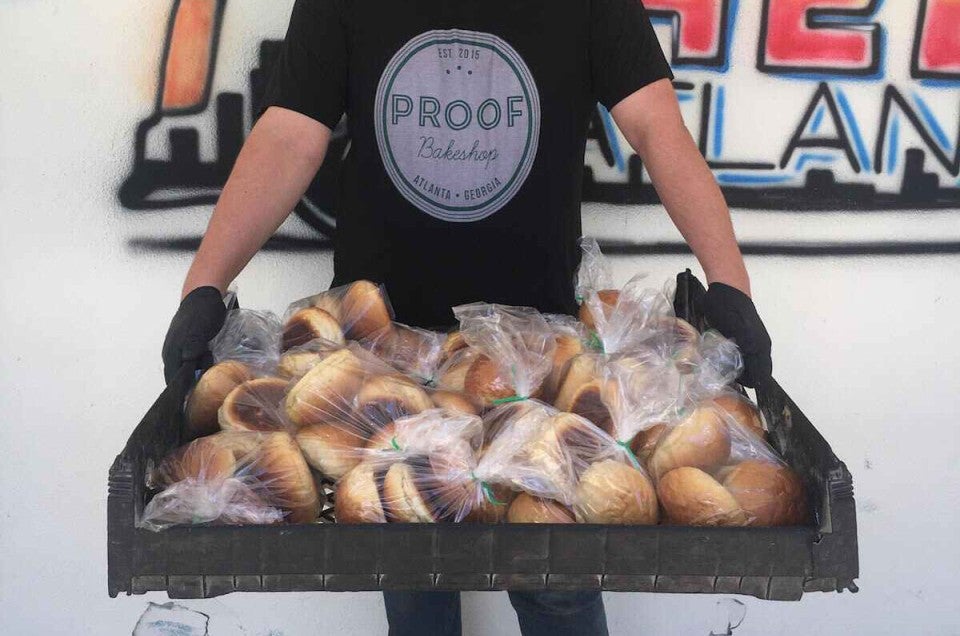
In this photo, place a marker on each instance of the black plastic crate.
(769, 563)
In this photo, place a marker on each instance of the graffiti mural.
(833, 109)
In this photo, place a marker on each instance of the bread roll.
(280, 466)
(309, 324)
(385, 398)
(484, 381)
(608, 299)
(529, 509)
(203, 459)
(564, 446)
(364, 310)
(741, 410)
(615, 493)
(690, 496)
(404, 493)
(415, 352)
(212, 389)
(357, 497)
(645, 442)
(329, 302)
(587, 402)
(327, 390)
(567, 347)
(771, 494)
(456, 402)
(255, 405)
(453, 343)
(701, 441)
(332, 448)
(581, 370)
(296, 364)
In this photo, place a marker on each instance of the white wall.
(867, 345)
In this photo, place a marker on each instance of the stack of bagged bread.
(625, 414)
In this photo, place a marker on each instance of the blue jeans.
(539, 613)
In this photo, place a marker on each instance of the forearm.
(688, 190)
(273, 170)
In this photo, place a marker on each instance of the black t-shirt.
(468, 124)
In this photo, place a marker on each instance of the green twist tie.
(595, 342)
(488, 493)
(507, 400)
(393, 442)
(629, 451)
(578, 298)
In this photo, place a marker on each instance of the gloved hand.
(732, 313)
(197, 321)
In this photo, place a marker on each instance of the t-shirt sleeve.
(625, 55)
(310, 75)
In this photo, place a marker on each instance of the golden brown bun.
(357, 498)
(281, 467)
(490, 512)
(203, 459)
(330, 303)
(581, 370)
(296, 364)
(743, 411)
(645, 442)
(529, 509)
(453, 343)
(209, 394)
(331, 448)
(567, 347)
(701, 441)
(690, 496)
(771, 494)
(587, 402)
(364, 310)
(309, 324)
(327, 390)
(484, 381)
(402, 497)
(453, 401)
(563, 446)
(255, 405)
(609, 299)
(385, 398)
(613, 492)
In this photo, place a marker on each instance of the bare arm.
(650, 120)
(274, 169)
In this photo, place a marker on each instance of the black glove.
(197, 321)
(731, 312)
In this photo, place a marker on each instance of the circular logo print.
(458, 123)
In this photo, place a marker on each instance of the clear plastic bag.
(336, 404)
(255, 406)
(233, 478)
(396, 476)
(360, 309)
(347, 399)
(297, 361)
(251, 337)
(515, 346)
(246, 348)
(413, 351)
(594, 273)
(569, 339)
(714, 467)
(580, 390)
